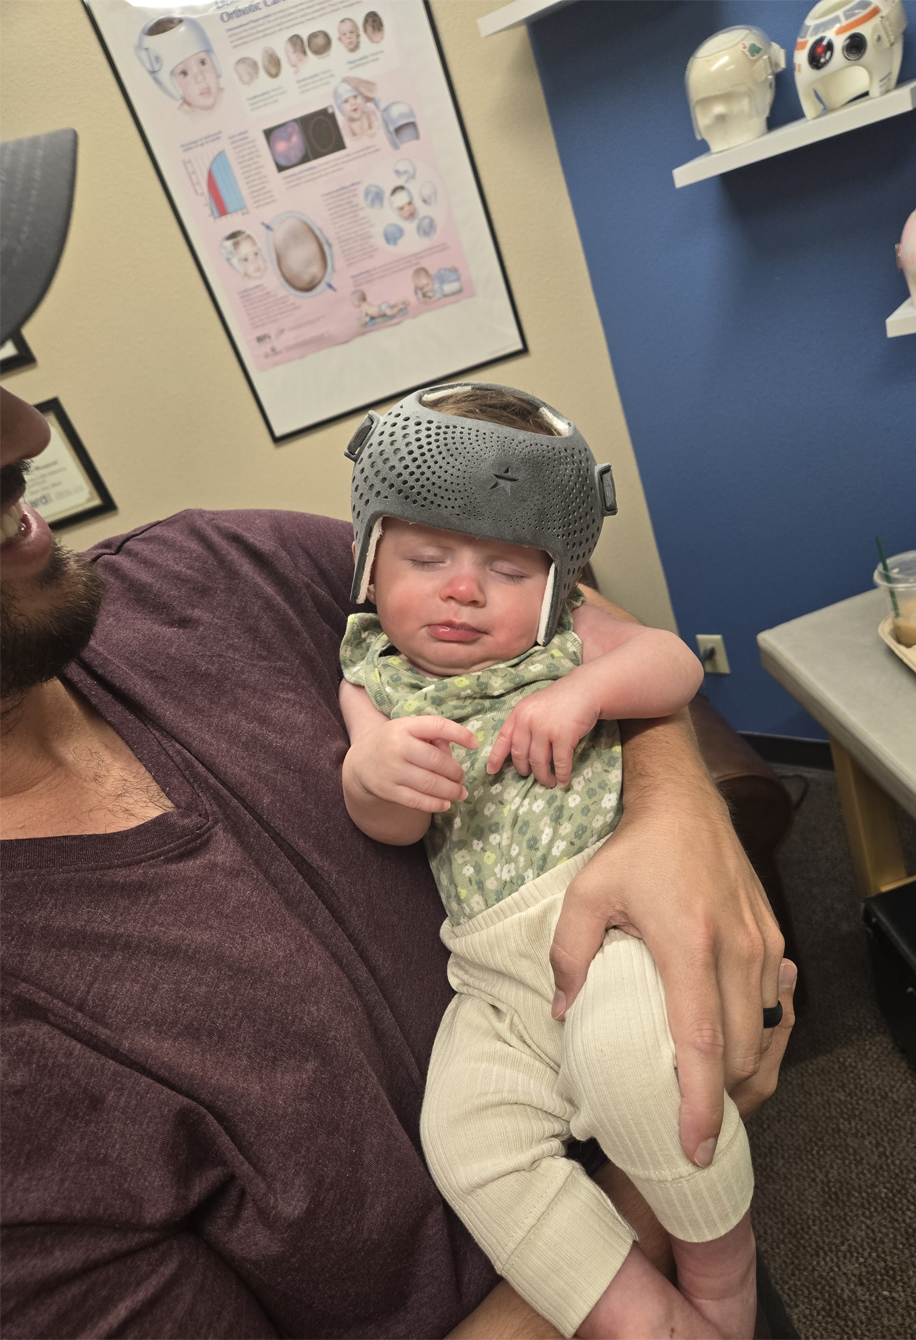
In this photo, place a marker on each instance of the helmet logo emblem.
(504, 479)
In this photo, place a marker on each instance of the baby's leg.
(493, 1129)
(619, 1068)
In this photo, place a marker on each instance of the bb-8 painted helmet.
(847, 49)
(730, 80)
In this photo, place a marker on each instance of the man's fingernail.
(787, 973)
(558, 1008)
(705, 1153)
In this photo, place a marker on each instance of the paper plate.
(906, 654)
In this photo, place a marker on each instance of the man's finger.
(749, 1095)
(578, 936)
(695, 1020)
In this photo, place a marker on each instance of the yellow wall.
(129, 339)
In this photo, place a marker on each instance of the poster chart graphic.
(314, 156)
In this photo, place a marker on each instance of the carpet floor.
(835, 1148)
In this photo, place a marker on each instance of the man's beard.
(37, 647)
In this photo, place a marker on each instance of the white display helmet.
(846, 48)
(731, 79)
(167, 41)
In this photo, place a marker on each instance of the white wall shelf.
(903, 321)
(514, 15)
(784, 138)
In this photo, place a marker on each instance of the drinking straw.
(887, 573)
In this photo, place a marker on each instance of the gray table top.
(834, 663)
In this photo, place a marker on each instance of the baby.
(370, 313)
(348, 35)
(475, 508)
(359, 118)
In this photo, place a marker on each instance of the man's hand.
(674, 874)
(547, 725)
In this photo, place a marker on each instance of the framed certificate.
(63, 485)
(316, 162)
(15, 353)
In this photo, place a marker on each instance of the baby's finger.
(440, 728)
(431, 784)
(539, 755)
(501, 747)
(562, 762)
(427, 756)
(521, 750)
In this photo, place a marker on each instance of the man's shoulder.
(263, 527)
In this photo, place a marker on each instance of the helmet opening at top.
(502, 405)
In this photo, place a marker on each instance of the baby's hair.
(236, 236)
(271, 62)
(500, 406)
(372, 23)
(295, 41)
(319, 43)
(247, 65)
(421, 272)
(359, 294)
(164, 25)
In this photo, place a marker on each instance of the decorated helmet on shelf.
(847, 49)
(165, 42)
(421, 465)
(731, 79)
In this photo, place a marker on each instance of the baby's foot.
(720, 1279)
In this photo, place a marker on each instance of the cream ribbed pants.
(508, 1086)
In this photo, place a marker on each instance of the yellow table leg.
(870, 816)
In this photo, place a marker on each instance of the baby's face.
(352, 107)
(405, 206)
(348, 33)
(423, 283)
(197, 81)
(251, 258)
(453, 604)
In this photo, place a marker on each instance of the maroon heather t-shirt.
(217, 1023)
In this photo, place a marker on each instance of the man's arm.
(675, 874)
(627, 671)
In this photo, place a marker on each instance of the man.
(219, 996)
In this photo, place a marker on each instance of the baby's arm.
(627, 671)
(397, 773)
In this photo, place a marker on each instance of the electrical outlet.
(712, 653)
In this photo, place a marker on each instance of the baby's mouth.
(454, 632)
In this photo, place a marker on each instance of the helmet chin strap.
(546, 604)
(366, 576)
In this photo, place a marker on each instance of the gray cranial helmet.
(482, 479)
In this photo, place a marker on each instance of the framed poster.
(15, 353)
(63, 485)
(316, 161)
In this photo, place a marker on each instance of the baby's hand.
(546, 725)
(408, 762)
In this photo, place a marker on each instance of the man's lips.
(454, 632)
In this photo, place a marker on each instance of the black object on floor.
(890, 920)
(773, 1321)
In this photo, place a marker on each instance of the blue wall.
(773, 421)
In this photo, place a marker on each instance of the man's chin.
(45, 623)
